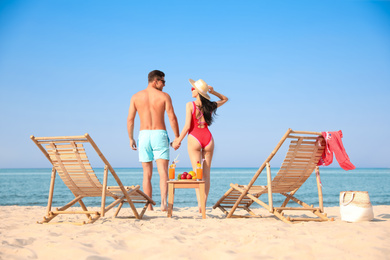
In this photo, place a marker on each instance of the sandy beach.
(187, 236)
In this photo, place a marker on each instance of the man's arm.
(130, 123)
(172, 116)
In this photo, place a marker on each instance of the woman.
(199, 115)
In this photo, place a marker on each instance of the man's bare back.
(150, 104)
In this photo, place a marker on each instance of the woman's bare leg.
(195, 153)
(208, 152)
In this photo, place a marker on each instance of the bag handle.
(342, 199)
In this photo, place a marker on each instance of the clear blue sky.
(70, 67)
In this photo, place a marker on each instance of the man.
(153, 142)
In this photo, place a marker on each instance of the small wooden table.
(186, 184)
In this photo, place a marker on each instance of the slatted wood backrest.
(71, 162)
(69, 159)
(68, 156)
(302, 157)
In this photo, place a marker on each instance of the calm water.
(31, 186)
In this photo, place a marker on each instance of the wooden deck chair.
(301, 160)
(69, 159)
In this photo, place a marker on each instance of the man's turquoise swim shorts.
(153, 145)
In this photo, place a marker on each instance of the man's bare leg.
(146, 184)
(162, 168)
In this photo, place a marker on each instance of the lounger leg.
(118, 209)
(223, 209)
(133, 208)
(51, 191)
(85, 209)
(307, 206)
(144, 209)
(217, 204)
(251, 212)
(269, 187)
(320, 196)
(49, 216)
(236, 204)
(275, 212)
(288, 199)
(103, 205)
(92, 220)
(52, 215)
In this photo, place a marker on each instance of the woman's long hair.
(209, 109)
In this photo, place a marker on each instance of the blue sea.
(30, 187)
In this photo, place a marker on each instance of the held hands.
(133, 144)
(175, 144)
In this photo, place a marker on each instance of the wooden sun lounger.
(301, 160)
(69, 159)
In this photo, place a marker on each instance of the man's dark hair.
(155, 74)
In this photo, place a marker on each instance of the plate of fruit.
(187, 176)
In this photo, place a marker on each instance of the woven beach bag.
(355, 206)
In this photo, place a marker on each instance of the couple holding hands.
(153, 142)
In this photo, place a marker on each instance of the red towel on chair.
(335, 145)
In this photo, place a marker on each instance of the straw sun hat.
(201, 87)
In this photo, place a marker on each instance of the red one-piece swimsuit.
(199, 129)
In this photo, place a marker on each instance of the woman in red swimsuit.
(199, 115)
